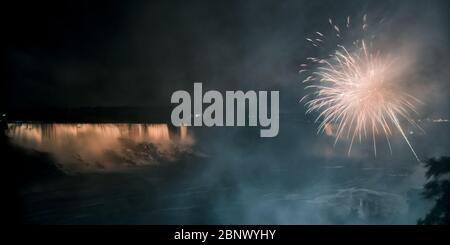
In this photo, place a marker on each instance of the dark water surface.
(158, 174)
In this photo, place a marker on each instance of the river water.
(159, 174)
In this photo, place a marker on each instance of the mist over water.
(157, 174)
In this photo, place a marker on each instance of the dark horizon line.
(94, 114)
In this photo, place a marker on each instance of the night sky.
(120, 53)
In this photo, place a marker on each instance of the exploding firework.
(355, 90)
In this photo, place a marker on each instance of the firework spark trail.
(355, 91)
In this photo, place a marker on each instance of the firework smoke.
(355, 89)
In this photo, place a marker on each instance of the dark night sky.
(115, 53)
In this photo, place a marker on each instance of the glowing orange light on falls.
(86, 146)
